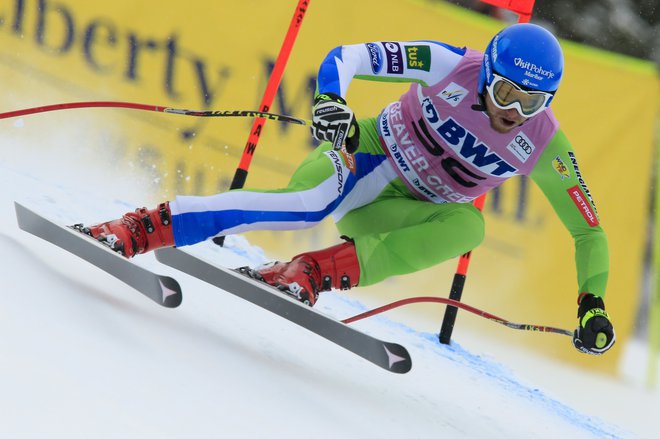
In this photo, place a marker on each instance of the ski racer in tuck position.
(399, 186)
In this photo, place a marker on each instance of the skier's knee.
(469, 222)
(474, 224)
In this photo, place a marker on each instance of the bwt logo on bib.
(466, 144)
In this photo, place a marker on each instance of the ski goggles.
(506, 94)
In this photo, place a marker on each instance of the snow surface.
(84, 356)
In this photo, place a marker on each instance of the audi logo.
(523, 144)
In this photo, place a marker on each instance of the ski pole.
(156, 108)
(463, 306)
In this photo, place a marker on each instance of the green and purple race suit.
(404, 196)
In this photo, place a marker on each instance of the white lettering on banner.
(464, 143)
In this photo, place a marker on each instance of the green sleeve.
(557, 174)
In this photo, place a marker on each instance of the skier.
(399, 186)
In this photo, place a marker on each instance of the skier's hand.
(595, 333)
(334, 121)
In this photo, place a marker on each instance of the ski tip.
(398, 358)
(21, 213)
(171, 292)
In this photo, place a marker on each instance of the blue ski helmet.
(526, 54)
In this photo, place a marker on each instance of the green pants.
(394, 232)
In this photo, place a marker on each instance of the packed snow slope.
(84, 356)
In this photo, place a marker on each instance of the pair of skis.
(166, 291)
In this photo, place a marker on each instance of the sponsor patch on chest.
(453, 94)
(521, 147)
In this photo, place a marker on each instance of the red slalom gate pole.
(267, 100)
(271, 89)
(524, 10)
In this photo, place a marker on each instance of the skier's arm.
(426, 62)
(558, 176)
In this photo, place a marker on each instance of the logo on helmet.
(487, 68)
(536, 72)
(493, 50)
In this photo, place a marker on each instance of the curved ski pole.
(156, 108)
(463, 306)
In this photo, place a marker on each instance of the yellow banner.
(218, 55)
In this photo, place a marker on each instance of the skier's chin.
(503, 125)
(502, 121)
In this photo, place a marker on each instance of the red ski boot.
(136, 232)
(310, 273)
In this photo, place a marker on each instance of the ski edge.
(392, 357)
(162, 289)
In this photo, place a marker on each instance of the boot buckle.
(326, 283)
(164, 215)
(148, 224)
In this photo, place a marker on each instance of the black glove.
(595, 333)
(334, 122)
